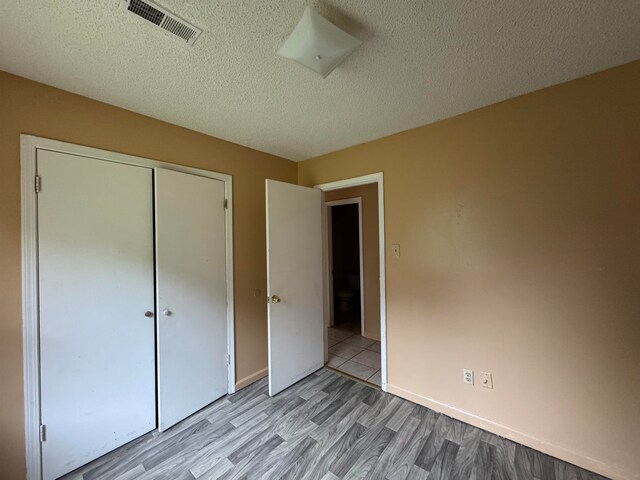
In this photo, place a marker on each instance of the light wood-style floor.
(325, 427)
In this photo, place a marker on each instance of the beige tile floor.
(354, 354)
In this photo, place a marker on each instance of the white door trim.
(29, 145)
(377, 178)
(336, 203)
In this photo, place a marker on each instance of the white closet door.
(192, 299)
(95, 227)
(294, 277)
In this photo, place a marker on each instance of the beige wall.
(371, 252)
(32, 108)
(520, 239)
(518, 225)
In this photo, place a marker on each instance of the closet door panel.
(192, 300)
(96, 274)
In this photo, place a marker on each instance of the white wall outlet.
(467, 376)
(485, 380)
(395, 250)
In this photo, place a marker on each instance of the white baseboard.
(612, 471)
(249, 379)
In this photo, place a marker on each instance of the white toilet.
(346, 295)
(345, 300)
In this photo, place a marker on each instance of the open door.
(294, 283)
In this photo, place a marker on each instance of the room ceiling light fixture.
(318, 44)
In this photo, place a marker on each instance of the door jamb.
(29, 145)
(377, 178)
(329, 205)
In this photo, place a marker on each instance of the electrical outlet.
(395, 250)
(485, 380)
(467, 376)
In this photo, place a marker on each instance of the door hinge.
(226, 203)
(43, 433)
(38, 183)
(228, 358)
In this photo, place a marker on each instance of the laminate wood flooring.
(325, 427)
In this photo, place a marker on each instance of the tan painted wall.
(519, 227)
(519, 231)
(33, 108)
(371, 252)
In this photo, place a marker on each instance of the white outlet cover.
(486, 380)
(467, 376)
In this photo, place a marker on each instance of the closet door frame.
(29, 146)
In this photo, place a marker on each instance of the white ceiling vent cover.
(163, 18)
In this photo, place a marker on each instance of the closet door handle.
(167, 313)
(148, 314)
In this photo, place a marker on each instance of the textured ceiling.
(421, 61)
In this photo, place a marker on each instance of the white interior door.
(192, 298)
(295, 282)
(95, 233)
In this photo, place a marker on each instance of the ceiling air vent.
(163, 18)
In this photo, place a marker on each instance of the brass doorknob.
(275, 299)
(148, 314)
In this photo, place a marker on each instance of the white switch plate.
(485, 380)
(467, 376)
(395, 250)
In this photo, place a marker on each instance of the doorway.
(346, 292)
(353, 280)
